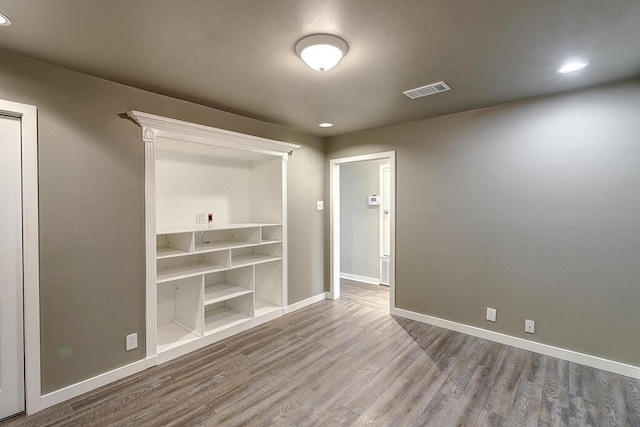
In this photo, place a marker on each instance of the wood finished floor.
(348, 362)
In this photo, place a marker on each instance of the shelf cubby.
(216, 240)
(225, 314)
(191, 265)
(256, 255)
(228, 284)
(173, 244)
(268, 287)
(272, 234)
(179, 319)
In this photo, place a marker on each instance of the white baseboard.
(304, 303)
(363, 279)
(90, 384)
(548, 350)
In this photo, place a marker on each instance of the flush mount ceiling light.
(572, 66)
(326, 125)
(321, 51)
(4, 20)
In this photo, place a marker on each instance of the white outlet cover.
(320, 205)
(529, 326)
(201, 218)
(132, 341)
(491, 314)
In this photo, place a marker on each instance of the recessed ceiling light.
(321, 52)
(326, 125)
(4, 20)
(572, 66)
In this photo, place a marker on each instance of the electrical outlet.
(320, 205)
(529, 326)
(132, 341)
(201, 218)
(210, 217)
(491, 314)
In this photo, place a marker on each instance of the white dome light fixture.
(321, 52)
(572, 67)
(326, 125)
(4, 20)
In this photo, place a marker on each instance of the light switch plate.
(320, 205)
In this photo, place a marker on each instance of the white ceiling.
(238, 55)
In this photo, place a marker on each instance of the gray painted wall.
(305, 223)
(91, 165)
(359, 223)
(532, 208)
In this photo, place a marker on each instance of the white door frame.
(381, 170)
(30, 258)
(334, 220)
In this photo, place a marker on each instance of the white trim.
(285, 235)
(334, 230)
(305, 303)
(363, 279)
(207, 135)
(334, 220)
(548, 350)
(28, 115)
(90, 384)
(381, 170)
(150, 243)
(381, 211)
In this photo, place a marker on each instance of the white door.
(12, 399)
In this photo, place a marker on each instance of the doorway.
(12, 398)
(336, 228)
(18, 255)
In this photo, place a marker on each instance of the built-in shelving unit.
(208, 281)
(214, 272)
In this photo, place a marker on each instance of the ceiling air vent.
(419, 92)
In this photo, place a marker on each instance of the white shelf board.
(214, 226)
(221, 246)
(222, 318)
(173, 335)
(251, 259)
(263, 307)
(182, 271)
(222, 292)
(169, 253)
(270, 241)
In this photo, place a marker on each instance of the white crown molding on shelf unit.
(157, 126)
